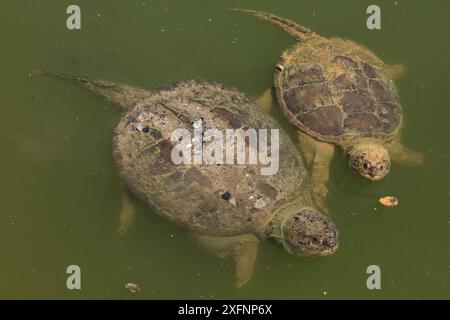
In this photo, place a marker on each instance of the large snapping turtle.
(229, 207)
(337, 92)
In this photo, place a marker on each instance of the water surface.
(60, 195)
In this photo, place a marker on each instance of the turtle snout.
(378, 171)
(372, 172)
(330, 243)
(372, 175)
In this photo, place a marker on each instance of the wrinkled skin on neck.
(304, 231)
(369, 158)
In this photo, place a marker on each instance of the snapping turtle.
(337, 92)
(228, 207)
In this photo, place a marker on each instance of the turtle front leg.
(318, 157)
(242, 248)
(127, 214)
(266, 101)
(404, 155)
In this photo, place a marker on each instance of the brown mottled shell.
(209, 199)
(336, 90)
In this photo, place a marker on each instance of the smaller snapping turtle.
(228, 207)
(337, 92)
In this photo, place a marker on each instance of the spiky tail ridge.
(120, 95)
(296, 31)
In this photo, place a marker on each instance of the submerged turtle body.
(335, 90)
(228, 207)
(208, 199)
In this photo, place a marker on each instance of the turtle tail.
(296, 31)
(121, 95)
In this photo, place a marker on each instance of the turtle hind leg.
(296, 31)
(396, 71)
(243, 249)
(266, 101)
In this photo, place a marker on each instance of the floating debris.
(279, 67)
(226, 196)
(197, 151)
(132, 287)
(138, 126)
(142, 116)
(388, 201)
(162, 118)
(260, 203)
(198, 123)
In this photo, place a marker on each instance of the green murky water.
(59, 193)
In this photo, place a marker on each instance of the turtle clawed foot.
(415, 159)
(245, 258)
(242, 279)
(127, 215)
(409, 158)
(396, 71)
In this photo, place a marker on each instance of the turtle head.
(370, 159)
(307, 232)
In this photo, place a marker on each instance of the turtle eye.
(381, 167)
(366, 165)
